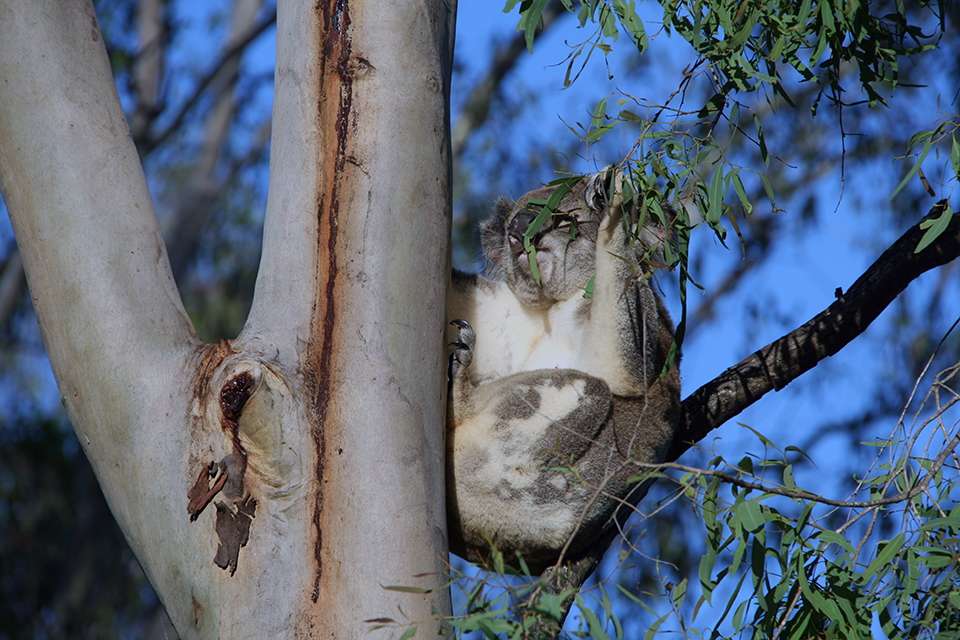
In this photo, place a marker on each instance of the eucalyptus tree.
(269, 484)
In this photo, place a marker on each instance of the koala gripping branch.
(776, 365)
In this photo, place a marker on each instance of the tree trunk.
(309, 450)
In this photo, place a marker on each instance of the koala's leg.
(554, 401)
(508, 442)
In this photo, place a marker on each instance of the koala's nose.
(519, 223)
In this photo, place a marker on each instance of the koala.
(553, 395)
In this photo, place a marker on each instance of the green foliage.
(546, 209)
(810, 577)
(743, 42)
(740, 47)
(929, 140)
(780, 561)
(512, 606)
(934, 228)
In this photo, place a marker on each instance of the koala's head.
(564, 246)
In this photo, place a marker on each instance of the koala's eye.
(569, 222)
(569, 219)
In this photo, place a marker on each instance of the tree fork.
(326, 413)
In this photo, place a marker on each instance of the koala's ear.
(492, 238)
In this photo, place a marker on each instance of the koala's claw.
(466, 340)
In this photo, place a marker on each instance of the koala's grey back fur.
(544, 378)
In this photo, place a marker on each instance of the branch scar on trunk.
(233, 519)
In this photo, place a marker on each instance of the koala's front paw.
(466, 340)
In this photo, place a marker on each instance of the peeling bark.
(202, 491)
(233, 529)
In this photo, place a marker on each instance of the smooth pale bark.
(374, 344)
(116, 333)
(341, 360)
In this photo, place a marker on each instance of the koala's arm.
(621, 339)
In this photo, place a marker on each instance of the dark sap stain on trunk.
(336, 85)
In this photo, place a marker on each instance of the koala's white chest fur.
(513, 337)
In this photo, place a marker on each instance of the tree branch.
(12, 285)
(117, 336)
(774, 367)
(798, 494)
(781, 362)
(569, 576)
(477, 108)
(148, 68)
(194, 207)
(148, 143)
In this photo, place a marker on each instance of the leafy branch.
(773, 367)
